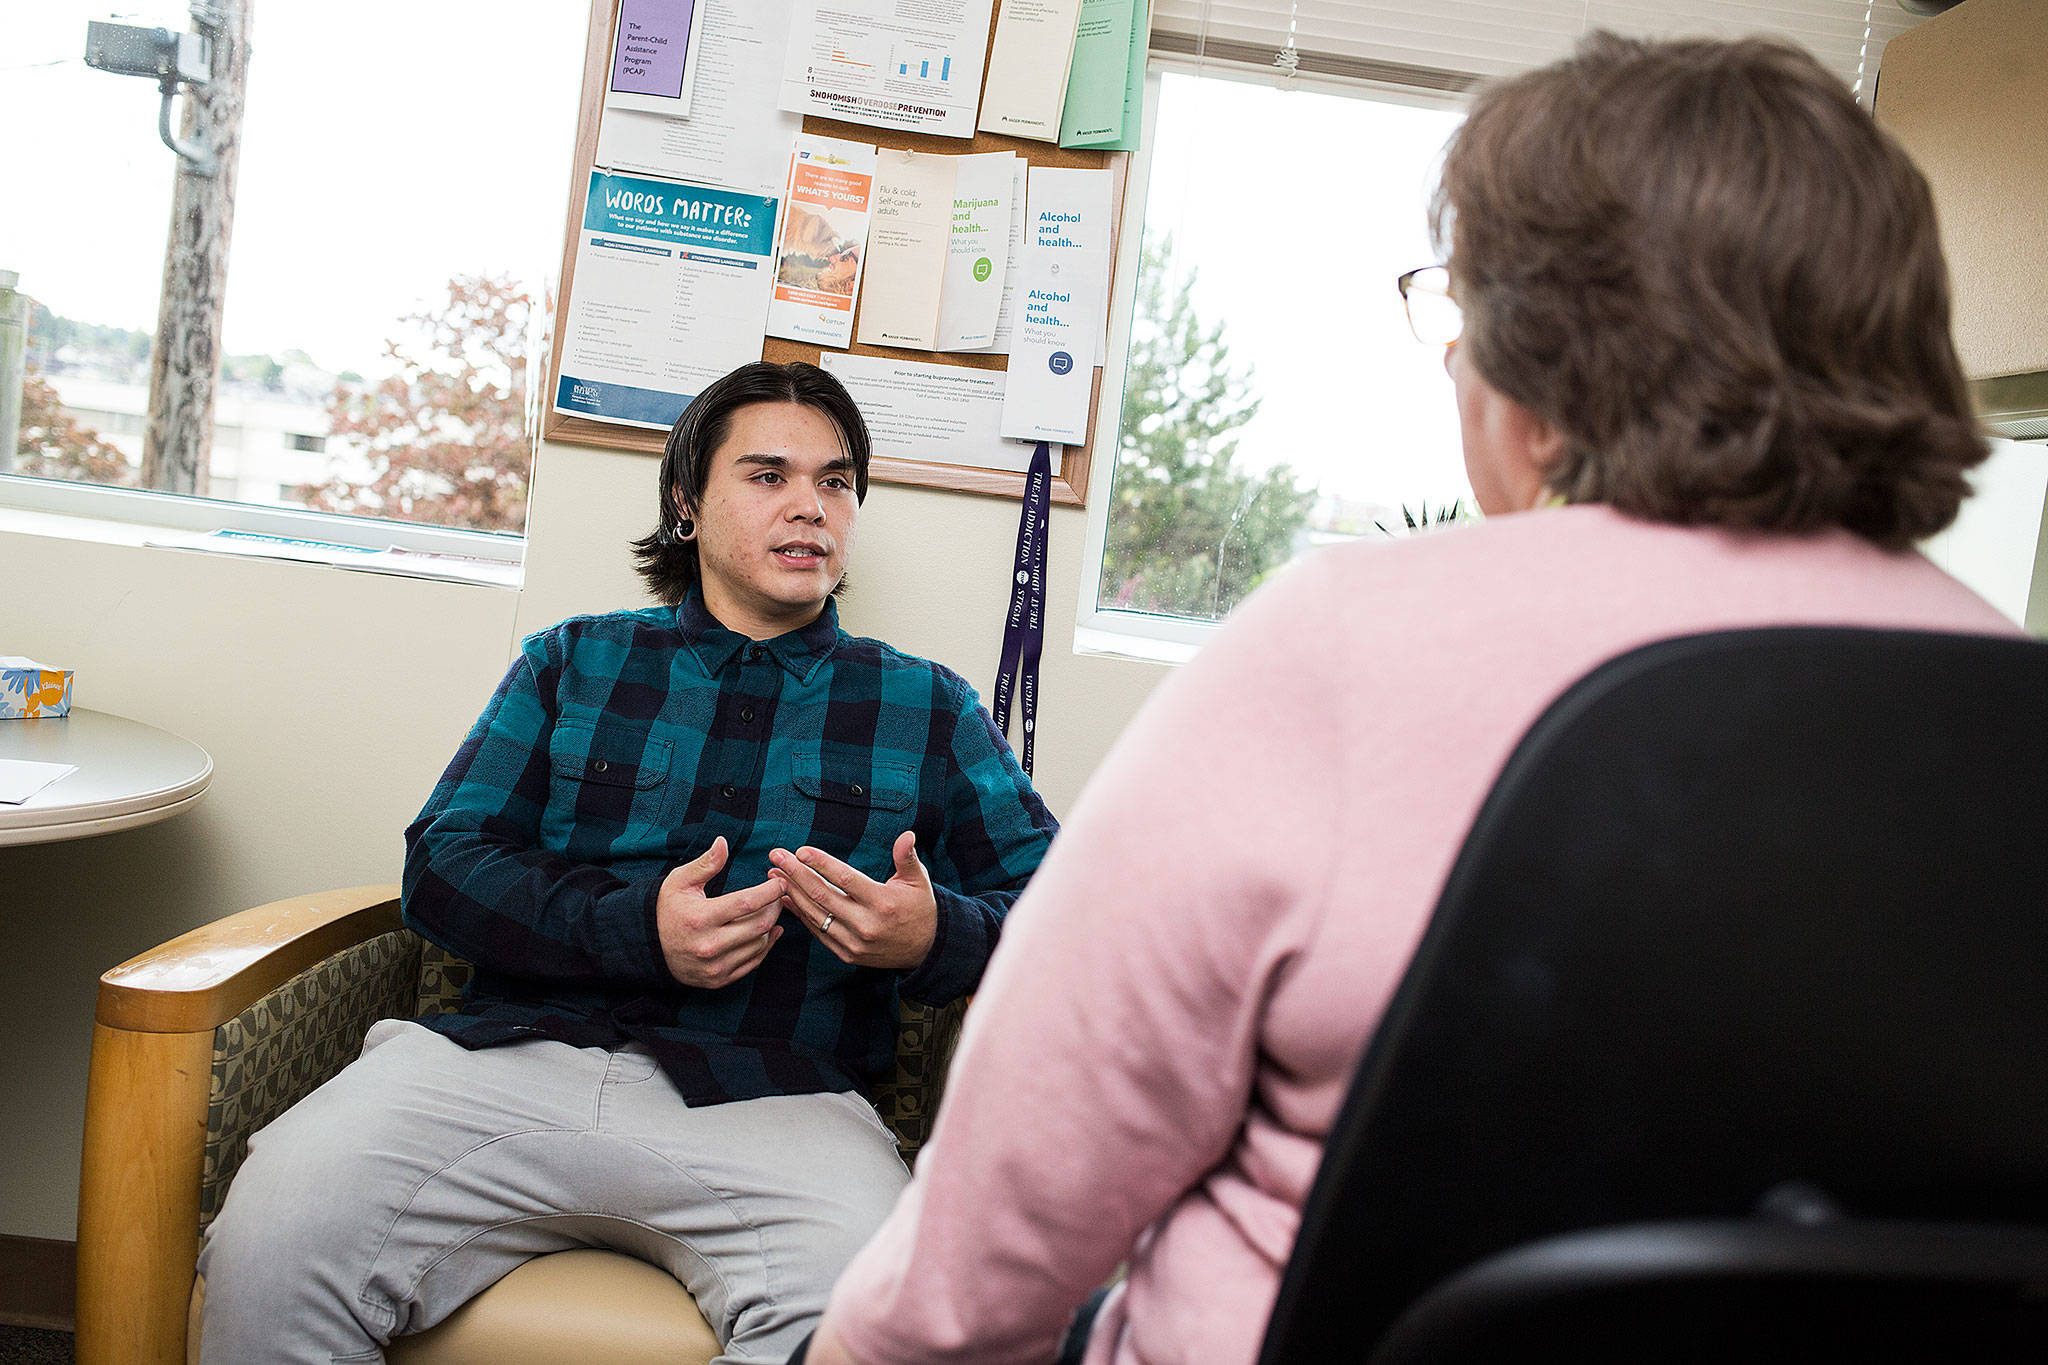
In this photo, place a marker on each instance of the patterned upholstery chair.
(203, 1040)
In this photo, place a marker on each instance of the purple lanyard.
(1024, 627)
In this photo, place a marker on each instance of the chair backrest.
(1749, 912)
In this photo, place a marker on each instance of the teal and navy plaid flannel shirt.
(619, 746)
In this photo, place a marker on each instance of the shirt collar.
(799, 652)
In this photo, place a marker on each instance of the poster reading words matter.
(671, 291)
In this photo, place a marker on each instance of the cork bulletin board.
(1070, 481)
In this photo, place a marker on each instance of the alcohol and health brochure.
(1063, 290)
(909, 64)
(824, 240)
(671, 291)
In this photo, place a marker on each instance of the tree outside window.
(1190, 531)
(446, 436)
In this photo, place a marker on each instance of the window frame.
(149, 509)
(154, 509)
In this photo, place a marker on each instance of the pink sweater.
(1180, 998)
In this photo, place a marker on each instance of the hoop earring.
(686, 529)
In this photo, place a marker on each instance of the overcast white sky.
(1298, 209)
(386, 147)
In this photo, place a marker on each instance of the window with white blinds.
(1448, 44)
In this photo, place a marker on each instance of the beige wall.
(1967, 95)
(330, 700)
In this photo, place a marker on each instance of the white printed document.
(21, 779)
(1063, 298)
(910, 64)
(670, 292)
(937, 414)
(655, 56)
(1027, 68)
(736, 135)
(824, 240)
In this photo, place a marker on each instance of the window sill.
(1116, 644)
(114, 516)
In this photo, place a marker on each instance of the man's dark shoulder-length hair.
(663, 557)
(1710, 270)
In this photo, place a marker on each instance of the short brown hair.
(666, 557)
(1714, 274)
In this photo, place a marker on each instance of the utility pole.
(184, 364)
(13, 345)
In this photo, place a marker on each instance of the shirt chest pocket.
(848, 789)
(605, 771)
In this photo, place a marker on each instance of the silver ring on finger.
(828, 922)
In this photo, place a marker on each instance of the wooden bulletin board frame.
(1070, 480)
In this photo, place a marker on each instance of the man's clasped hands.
(713, 941)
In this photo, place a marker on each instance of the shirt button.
(598, 765)
(858, 791)
(729, 792)
(755, 653)
(746, 715)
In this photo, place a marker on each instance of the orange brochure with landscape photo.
(824, 240)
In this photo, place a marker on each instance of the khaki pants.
(424, 1172)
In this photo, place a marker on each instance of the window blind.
(1450, 44)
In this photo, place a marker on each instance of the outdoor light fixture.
(174, 59)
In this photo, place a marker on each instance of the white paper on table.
(1006, 315)
(823, 241)
(913, 211)
(21, 779)
(1063, 297)
(910, 64)
(671, 292)
(736, 134)
(1027, 68)
(977, 251)
(939, 414)
(655, 56)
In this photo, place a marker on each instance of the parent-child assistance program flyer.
(671, 291)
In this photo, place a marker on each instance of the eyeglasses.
(1433, 315)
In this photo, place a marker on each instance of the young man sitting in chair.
(695, 853)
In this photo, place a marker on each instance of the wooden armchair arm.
(203, 979)
(146, 1103)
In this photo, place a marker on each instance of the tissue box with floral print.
(29, 689)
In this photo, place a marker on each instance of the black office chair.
(1729, 1038)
